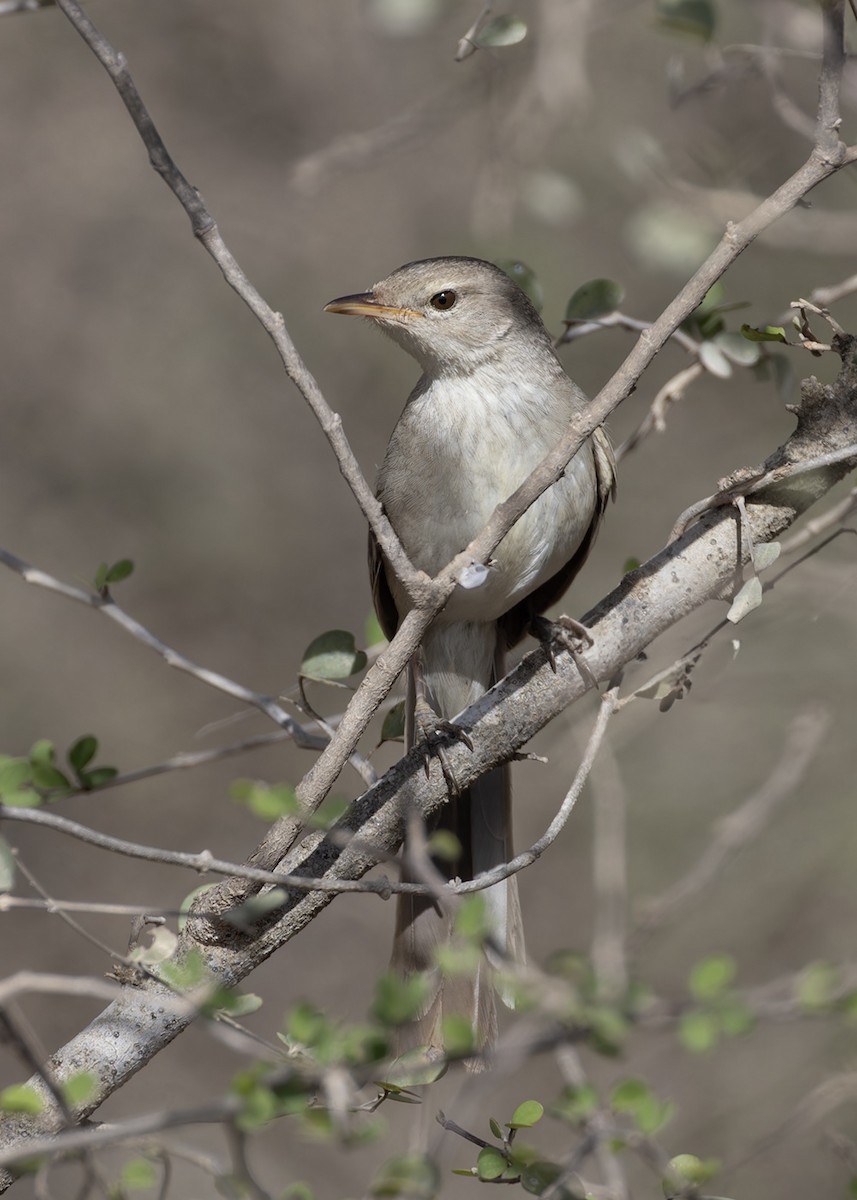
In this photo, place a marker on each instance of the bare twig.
(734, 832)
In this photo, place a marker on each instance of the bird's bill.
(365, 304)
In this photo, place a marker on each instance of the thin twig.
(736, 831)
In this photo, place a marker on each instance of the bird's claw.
(571, 634)
(433, 732)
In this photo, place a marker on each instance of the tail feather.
(458, 665)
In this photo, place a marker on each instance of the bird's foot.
(433, 733)
(572, 636)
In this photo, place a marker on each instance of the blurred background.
(146, 415)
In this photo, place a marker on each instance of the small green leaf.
(249, 912)
(397, 999)
(576, 1104)
(101, 577)
(630, 564)
(699, 1031)
(490, 1163)
(736, 1018)
(79, 1088)
(331, 656)
(595, 299)
(298, 1191)
(501, 31)
(527, 1114)
(695, 17)
(119, 571)
(240, 1004)
(472, 921)
(82, 752)
(458, 1036)
(494, 1126)
(15, 773)
(526, 279)
(413, 1176)
(443, 844)
(48, 778)
(21, 1098)
(307, 1025)
(686, 1170)
(43, 751)
(415, 1068)
(711, 976)
(329, 812)
(92, 780)
(393, 729)
(269, 802)
(815, 986)
(538, 1177)
(138, 1175)
(768, 333)
(628, 1094)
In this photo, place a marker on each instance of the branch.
(649, 600)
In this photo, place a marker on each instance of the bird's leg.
(572, 635)
(433, 731)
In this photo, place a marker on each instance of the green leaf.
(711, 976)
(79, 1088)
(472, 921)
(414, 1068)
(82, 752)
(397, 999)
(100, 580)
(266, 801)
(526, 279)
(329, 812)
(501, 31)
(630, 564)
(443, 844)
(736, 1018)
(766, 554)
(307, 1025)
(768, 333)
(138, 1174)
(393, 729)
(90, 781)
(241, 1005)
(21, 1098)
(120, 570)
(43, 751)
(576, 1104)
(25, 798)
(247, 914)
(298, 1191)
(699, 1030)
(8, 866)
(413, 1176)
(15, 773)
(815, 986)
(538, 1177)
(494, 1126)
(527, 1114)
(490, 1163)
(695, 17)
(687, 1171)
(597, 298)
(48, 778)
(332, 655)
(628, 1094)
(458, 1036)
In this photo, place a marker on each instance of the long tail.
(458, 664)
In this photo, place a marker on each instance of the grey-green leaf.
(597, 298)
(501, 31)
(332, 655)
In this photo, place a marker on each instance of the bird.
(492, 400)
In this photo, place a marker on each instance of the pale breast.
(460, 449)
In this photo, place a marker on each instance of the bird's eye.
(444, 300)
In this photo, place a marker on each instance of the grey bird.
(492, 400)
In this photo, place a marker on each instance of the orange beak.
(365, 304)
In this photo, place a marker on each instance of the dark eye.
(444, 300)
